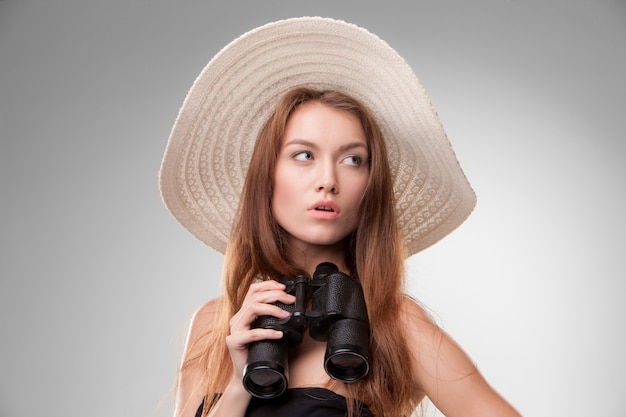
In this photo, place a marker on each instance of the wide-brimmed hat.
(211, 143)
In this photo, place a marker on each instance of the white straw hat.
(211, 143)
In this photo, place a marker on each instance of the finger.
(240, 340)
(245, 317)
(270, 296)
(256, 304)
(266, 286)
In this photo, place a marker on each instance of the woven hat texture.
(206, 159)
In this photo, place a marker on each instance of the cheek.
(360, 198)
(281, 186)
(360, 189)
(280, 197)
(355, 200)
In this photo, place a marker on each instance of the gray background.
(98, 282)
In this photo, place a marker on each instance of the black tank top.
(295, 402)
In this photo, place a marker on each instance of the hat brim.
(211, 143)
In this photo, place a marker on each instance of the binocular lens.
(346, 365)
(264, 381)
(346, 360)
(347, 350)
(264, 375)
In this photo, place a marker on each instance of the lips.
(325, 205)
(324, 210)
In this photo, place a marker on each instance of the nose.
(328, 179)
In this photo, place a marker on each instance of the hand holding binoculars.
(338, 315)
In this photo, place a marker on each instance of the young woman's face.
(320, 177)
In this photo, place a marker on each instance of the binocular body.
(337, 315)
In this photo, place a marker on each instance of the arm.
(446, 374)
(234, 400)
(190, 384)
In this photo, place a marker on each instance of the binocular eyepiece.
(338, 316)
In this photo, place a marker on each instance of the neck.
(310, 256)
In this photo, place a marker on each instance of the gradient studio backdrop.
(98, 282)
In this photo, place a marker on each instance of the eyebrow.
(313, 145)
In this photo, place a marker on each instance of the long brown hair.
(374, 254)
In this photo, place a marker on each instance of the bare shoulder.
(435, 354)
(191, 374)
(204, 320)
(418, 323)
(208, 313)
(413, 310)
(444, 372)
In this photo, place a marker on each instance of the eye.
(303, 156)
(353, 160)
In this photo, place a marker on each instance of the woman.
(351, 166)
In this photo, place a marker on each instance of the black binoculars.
(337, 315)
